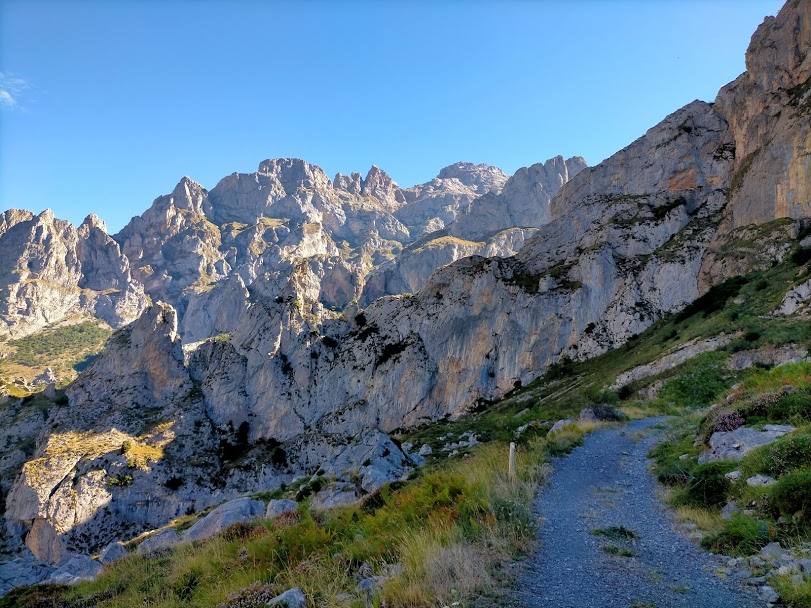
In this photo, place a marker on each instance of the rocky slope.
(295, 384)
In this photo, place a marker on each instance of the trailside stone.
(165, 539)
(335, 495)
(760, 480)
(292, 598)
(76, 569)
(733, 445)
(280, 506)
(599, 412)
(773, 552)
(113, 552)
(227, 514)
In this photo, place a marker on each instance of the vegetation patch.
(615, 533)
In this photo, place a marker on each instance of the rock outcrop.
(51, 271)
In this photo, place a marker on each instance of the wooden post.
(511, 463)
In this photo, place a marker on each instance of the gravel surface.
(606, 483)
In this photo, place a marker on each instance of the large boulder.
(281, 506)
(75, 569)
(165, 539)
(44, 542)
(734, 445)
(113, 552)
(227, 514)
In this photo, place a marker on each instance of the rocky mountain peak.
(293, 173)
(481, 177)
(378, 184)
(778, 54)
(767, 107)
(94, 221)
(352, 183)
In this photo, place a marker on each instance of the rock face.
(767, 109)
(51, 271)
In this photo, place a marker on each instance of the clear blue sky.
(105, 105)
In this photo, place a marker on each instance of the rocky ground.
(607, 540)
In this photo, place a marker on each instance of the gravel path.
(606, 483)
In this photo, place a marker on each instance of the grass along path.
(606, 539)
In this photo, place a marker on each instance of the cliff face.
(304, 378)
(767, 109)
(51, 271)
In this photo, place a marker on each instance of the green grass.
(65, 349)
(449, 529)
(618, 551)
(741, 535)
(615, 533)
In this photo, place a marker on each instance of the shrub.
(708, 485)
(788, 453)
(715, 299)
(721, 419)
(794, 406)
(792, 494)
(742, 535)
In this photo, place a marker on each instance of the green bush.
(792, 494)
(708, 485)
(788, 453)
(791, 407)
(742, 535)
(668, 465)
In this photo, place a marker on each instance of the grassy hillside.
(444, 537)
(64, 349)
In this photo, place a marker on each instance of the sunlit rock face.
(51, 271)
(767, 109)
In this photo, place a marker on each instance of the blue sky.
(105, 105)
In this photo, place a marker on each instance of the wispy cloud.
(11, 90)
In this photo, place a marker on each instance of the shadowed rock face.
(306, 380)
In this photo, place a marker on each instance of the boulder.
(426, 450)
(733, 445)
(292, 598)
(22, 571)
(560, 424)
(75, 569)
(282, 506)
(599, 412)
(335, 495)
(227, 514)
(767, 355)
(773, 552)
(729, 510)
(165, 539)
(113, 552)
(44, 542)
(760, 480)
